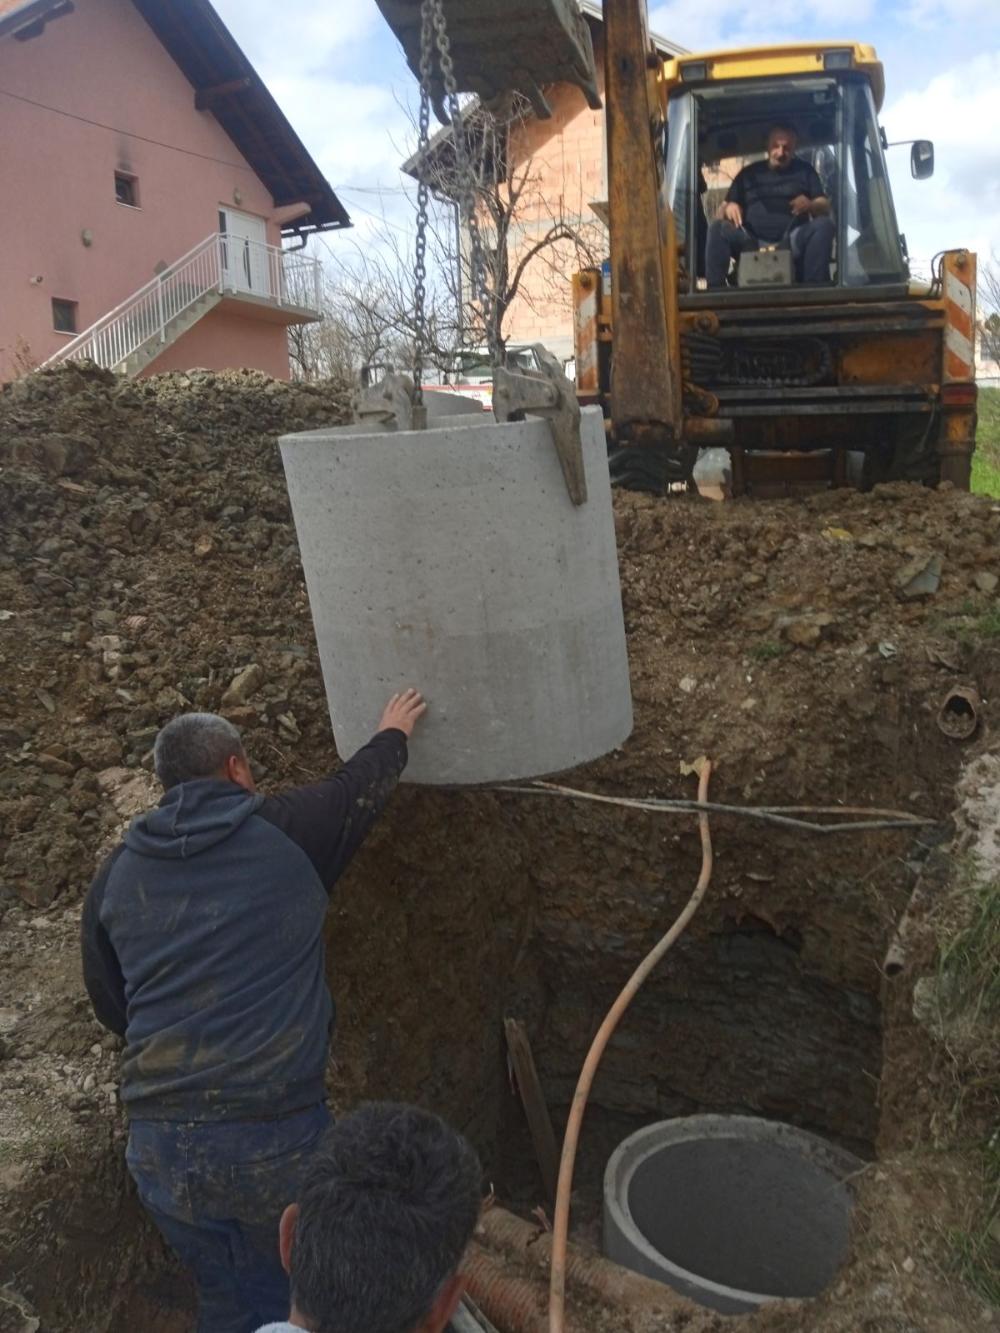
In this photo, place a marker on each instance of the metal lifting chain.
(434, 34)
(423, 195)
(465, 175)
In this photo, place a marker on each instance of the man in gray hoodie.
(202, 940)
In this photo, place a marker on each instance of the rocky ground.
(807, 645)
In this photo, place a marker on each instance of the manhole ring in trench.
(730, 1211)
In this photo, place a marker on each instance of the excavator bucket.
(504, 46)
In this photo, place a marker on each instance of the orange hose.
(560, 1227)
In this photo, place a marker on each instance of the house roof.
(26, 18)
(228, 85)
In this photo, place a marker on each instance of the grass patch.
(968, 1003)
(977, 1251)
(969, 958)
(768, 650)
(986, 459)
(984, 627)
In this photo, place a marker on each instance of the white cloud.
(708, 24)
(960, 205)
(279, 38)
(935, 13)
(343, 84)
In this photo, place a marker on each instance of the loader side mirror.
(922, 159)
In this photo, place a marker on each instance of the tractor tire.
(651, 468)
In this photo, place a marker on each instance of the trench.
(467, 908)
(769, 1005)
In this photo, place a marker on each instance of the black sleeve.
(329, 820)
(102, 973)
(737, 193)
(814, 186)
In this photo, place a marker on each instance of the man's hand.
(403, 712)
(801, 204)
(732, 213)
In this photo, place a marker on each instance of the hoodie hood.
(190, 818)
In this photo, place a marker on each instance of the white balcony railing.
(219, 264)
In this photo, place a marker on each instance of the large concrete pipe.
(453, 559)
(731, 1211)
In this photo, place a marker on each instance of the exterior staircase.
(219, 268)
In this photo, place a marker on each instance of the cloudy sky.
(342, 81)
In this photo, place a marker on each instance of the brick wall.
(562, 162)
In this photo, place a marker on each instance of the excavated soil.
(805, 645)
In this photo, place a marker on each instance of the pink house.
(154, 186)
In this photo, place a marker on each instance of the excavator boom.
(503, 46)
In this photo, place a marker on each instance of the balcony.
(257, 280)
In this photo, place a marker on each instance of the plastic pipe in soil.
(560, 1229)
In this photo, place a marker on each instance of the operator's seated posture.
(778, 202)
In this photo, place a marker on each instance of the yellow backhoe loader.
(861, 373)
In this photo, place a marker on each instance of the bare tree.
(17, 360)
(368, 296)
(521, 226)
(989, 307)
(362, 325)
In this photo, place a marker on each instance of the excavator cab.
(715, 128)
(840, 368)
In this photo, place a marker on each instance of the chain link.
(465, 177)
(423, 199)
(434, 39)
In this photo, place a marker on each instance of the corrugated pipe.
(514, 1304)
(598, 1276)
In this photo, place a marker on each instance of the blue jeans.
(216, 1191)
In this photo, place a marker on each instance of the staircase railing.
(145, 314)
(219, 263)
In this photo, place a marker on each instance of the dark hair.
(784, 128)
(194, 745)
(384, 1218)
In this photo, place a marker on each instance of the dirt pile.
(147, 556)
(150, 567)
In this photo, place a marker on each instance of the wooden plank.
(533, 1100)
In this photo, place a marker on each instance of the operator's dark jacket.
(203, 939)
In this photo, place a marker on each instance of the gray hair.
(194, 745)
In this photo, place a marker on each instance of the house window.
(127, 189)
(63, 315)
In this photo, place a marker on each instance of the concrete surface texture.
(731, 1211)
(452, 559)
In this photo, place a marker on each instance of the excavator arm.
(645, 382)
(499, 46)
